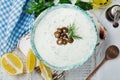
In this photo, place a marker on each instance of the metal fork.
(55, 74)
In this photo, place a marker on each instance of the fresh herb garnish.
(84, 5)
(65, 1)
(72, 32)
(37, 6)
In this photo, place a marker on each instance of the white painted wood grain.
(78, 74)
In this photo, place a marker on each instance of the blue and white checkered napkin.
(14, 22)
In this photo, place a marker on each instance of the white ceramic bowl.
(38, 20)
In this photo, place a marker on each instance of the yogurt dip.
(68, 56)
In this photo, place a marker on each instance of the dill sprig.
(72, 32)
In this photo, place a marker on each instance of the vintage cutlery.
(111, 53)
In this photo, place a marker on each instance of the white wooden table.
(82, 72)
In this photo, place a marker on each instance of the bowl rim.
(39, 18)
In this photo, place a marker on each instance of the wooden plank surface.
(77, 74)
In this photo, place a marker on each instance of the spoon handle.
(117, 16)
(96, 69)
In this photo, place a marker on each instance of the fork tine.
(59, 76)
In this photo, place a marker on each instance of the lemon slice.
(30, 61)
(45, 71)
(12, 64)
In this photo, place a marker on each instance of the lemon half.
(45, 71)
(12, 64)
(30, 61)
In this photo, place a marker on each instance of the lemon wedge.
(30, 61)
(12, 64)
(45, 71)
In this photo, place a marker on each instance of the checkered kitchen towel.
(14, 22)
